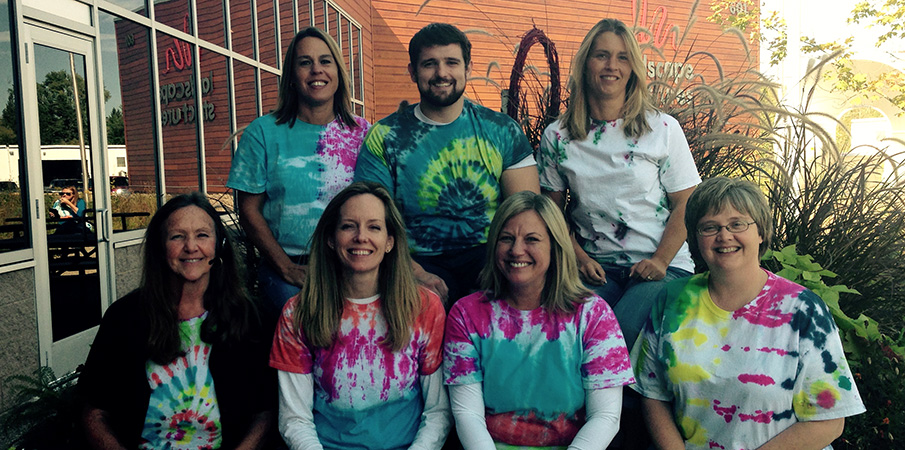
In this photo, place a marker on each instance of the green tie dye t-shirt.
(445, 178)
(183, 411)
(737, 379)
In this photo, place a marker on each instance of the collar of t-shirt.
(364, 301)
(420, 116)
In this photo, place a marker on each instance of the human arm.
(435, 417)
(520, 179)
(603, 408)
(661, 425)
(98, 430)
(674, 235)
(589, 269)
(816, 435)
(252, 220)
(467, 402)
(256, 436)
(432, 282)
(296, 417)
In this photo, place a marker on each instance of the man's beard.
(427, 96)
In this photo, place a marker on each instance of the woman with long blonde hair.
(358, 350)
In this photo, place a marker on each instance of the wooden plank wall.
(496, 26)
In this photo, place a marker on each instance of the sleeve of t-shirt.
(433, 322)
(605, 359)
(824, 388)
(461, 360)
(548, 160)
(289, 352)
(678, 172)
(248, 172)
(520, 148)
(372, 164)
(650, 373)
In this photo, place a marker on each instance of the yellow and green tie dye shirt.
(737, 379)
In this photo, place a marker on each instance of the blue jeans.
(275, 291)
(631, 298)
(458, 269)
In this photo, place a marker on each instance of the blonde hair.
(320, 303)
(562, 288)
(637, 98)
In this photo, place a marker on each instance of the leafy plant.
(43, 412)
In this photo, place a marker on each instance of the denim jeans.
(275, 291)
(459, 270)
(631, 298)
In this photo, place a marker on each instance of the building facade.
(168, 85)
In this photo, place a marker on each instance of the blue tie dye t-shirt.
(534, 365)
(736, 379)
(445, 178)
(183, 412)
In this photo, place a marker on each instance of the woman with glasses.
(69, 210)
(737, 357)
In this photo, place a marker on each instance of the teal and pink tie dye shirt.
(364, 393)
(534, 365)
(737, 379)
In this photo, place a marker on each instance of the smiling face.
(316, 72)
(727, 251)
(523, 252)
(608, 69)
(361, 239)
(191, 243)
(440, 74)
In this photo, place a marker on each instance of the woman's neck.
(360, 286)
(191, 299)
(733, 290)
(605, 110)
(524, 300)
(316, 114)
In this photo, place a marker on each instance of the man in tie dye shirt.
(448, 162)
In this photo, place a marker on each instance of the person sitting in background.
(359, 349)
(737, 357)
(181, 362)
(69, 209)
(535, 359)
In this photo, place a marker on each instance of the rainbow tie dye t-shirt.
(364, 394)
(534, 365)
(299, 168)
(737, 379)
(183, 411)
(445, 178)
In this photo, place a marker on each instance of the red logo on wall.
(179, 52)
(659, 30)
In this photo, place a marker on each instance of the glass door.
(69, 214)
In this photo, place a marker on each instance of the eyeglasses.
(734, 227)
(67, 194)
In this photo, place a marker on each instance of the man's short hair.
(438, 34)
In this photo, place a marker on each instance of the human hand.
(590, 270)
(294, 274)
(432, 282)
(649, 270)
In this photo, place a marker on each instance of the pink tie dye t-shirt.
(534, 365)
(363, 392)
(737, 379)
